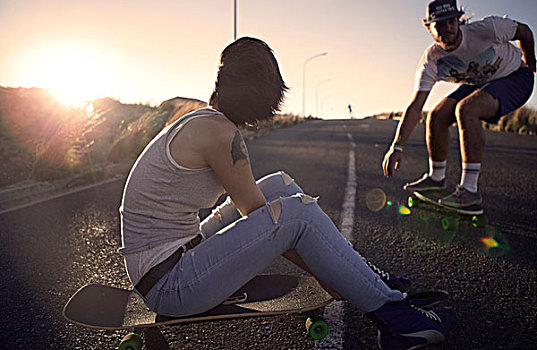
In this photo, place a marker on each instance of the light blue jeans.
(236, 249)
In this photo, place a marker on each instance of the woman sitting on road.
(182, 267)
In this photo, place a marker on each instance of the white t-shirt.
(484, 54)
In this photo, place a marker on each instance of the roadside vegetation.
(43, 140)
(521, 121)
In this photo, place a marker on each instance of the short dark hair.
(249, 87)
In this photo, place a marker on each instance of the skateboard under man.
(105, 307)
(453, 216)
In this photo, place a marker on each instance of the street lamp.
(234, 19)
(304, 81)
(317, 96)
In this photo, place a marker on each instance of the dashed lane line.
(334, 312)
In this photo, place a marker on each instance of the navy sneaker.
(399, 283)
(405, 326)
(461, 198)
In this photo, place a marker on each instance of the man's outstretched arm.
(406, 125)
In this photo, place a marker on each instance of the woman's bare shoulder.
(209, 132)
(214, 129)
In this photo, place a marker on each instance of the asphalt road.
(49, 250)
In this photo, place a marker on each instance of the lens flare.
(375, 199)
(495, 245)
(489, 242)
(403, 210)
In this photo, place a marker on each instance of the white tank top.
(161, 201)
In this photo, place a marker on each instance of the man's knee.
(480, 105)
(442, 116)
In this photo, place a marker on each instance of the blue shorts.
(511, 91)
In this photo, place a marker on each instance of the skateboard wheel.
(413, 202)
(316, 328)
(480, 221)
(449, 224)
(131, 341)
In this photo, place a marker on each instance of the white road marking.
(334, 312)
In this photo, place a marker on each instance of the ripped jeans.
(236, 249)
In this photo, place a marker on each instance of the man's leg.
(437, 136)
(470, 111)
(479, 106)
(489, 102)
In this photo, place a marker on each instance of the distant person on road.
(181, 266)
(496, 76)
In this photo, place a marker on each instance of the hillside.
(43, 140)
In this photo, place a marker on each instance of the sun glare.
(73, 73)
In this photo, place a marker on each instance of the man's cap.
(439, 10)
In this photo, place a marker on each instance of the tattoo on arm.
(238, 148)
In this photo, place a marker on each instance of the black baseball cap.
(439, 10)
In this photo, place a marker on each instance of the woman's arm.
(228, 156)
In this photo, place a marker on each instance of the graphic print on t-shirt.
(475, 71)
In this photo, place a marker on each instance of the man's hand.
(408, 122)
(392, 160)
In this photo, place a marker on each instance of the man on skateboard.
(496, 78)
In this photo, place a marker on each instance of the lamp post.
(234, 19)
(304, 82)
(317, 96)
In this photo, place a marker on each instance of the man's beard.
(441, 39)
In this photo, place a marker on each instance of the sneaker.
(399, 283)
(425, 184)
(405, 326)
(461, 198)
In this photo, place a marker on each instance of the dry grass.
(522, 121)
(41, 139)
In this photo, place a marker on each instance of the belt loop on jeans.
(156, 272)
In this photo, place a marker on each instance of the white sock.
(470, 176)
(437, 170)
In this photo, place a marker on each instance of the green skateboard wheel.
(131, 341)
(480, 221)
(449, 224)
(413, 202)
(316, 328)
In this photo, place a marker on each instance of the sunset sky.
(150, 51)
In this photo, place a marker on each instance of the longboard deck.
(433, 196)
(105, 307)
